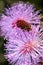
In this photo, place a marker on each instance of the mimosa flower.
(20, 14)
(20, 26)
(24, 48)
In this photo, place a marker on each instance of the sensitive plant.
(24, 48)
(19, 12)
(21, 28)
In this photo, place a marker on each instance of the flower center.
(28, 47)
(22, 24)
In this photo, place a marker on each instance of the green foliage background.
(38, 4)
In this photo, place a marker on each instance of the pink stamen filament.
(28, 47)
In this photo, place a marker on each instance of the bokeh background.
(7, 3)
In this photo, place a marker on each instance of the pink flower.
(21, 28)
(24, 48)
(19, 12)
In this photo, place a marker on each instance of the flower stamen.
(28, 47)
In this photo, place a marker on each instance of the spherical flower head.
(24, 48)
(17, 13)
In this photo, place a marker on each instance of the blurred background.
(7, 3)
